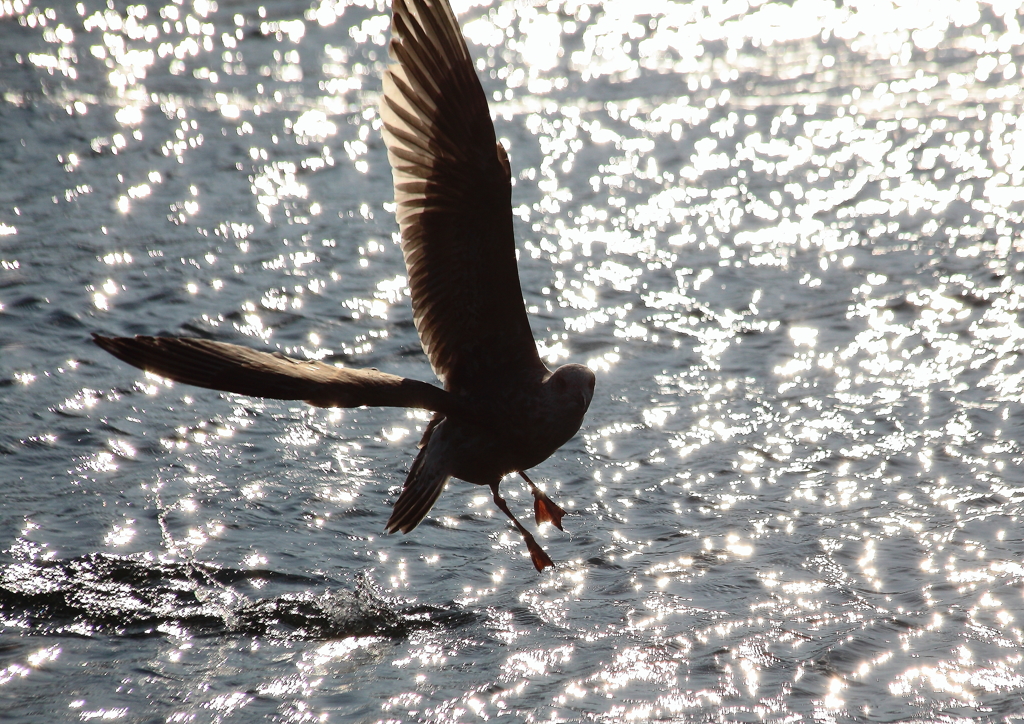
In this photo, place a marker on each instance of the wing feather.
(232, 368)
(453, 196)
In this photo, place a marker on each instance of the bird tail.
(426, 480)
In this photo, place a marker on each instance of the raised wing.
(453, 194)
(231, 368)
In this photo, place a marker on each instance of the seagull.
(501, 411)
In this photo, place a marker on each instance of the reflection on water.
(787, 236)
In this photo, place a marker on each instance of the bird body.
(502, 411)
(503, 434)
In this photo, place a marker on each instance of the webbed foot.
(545, 510)
(540, 559)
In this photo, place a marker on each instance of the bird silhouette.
(501, 411)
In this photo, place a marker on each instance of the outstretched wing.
(453, 193)
(231, 368)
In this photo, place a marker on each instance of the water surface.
(787, 237)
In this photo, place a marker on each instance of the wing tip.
(103, 342)
(117, 346)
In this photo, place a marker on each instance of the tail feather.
(427, 478)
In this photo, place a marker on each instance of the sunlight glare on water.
(786, 236)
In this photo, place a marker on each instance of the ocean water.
(785, 235)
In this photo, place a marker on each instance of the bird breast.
(519, 430)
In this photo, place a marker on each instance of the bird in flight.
(501, 411)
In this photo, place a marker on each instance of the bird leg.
(545, 510)
(541, 560)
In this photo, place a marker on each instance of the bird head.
(571, 388)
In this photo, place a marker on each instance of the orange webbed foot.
(541, 560)
(545, 510)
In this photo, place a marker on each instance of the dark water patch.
(105, 595)
(66, 320)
